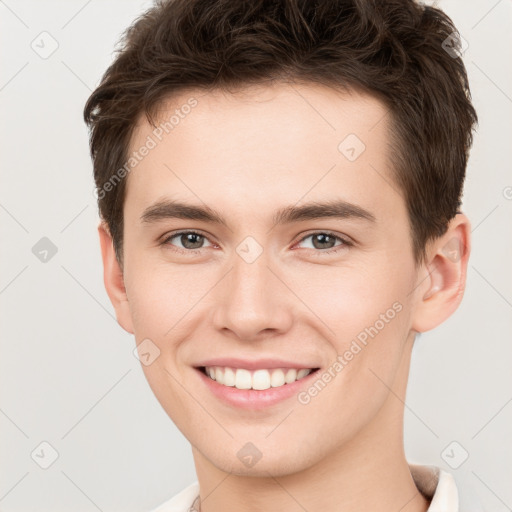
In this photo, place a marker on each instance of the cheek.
(370, 320)
(151, 300)
(351, 299)
(165, 298)
(162, 302)
(367, 314)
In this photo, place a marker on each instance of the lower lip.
(254, 399)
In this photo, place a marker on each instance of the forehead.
(264, 146)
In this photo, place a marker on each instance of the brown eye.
(323, 241)
(326, 242)
(186, 241)
(191, 240)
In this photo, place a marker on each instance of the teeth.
(291, 376)
(229, 377)
(258, 379)
(277, 379)
(243, 378)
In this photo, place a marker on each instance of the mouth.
(256, 389)
(259, 379)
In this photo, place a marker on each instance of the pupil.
(323, 240)
(189, 237)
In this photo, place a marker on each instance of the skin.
(247, 154)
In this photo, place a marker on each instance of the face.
(265, 231)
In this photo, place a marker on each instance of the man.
(279, 184)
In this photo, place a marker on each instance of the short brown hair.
(395, 49)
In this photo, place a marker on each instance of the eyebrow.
(169, 209)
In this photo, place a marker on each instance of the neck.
(368, 473)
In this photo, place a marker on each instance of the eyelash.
(345, 242)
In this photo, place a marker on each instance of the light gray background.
(68, 374)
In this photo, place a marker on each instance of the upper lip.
(255, 364)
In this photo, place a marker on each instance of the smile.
(259, 379)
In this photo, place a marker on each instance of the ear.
(443, 276)
(113, 279)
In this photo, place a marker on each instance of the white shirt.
(434, 483)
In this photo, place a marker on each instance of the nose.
(252, 302)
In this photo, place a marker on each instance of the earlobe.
(114, 280)
(444, 276)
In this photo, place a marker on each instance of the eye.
(191, 241)
(325, 241)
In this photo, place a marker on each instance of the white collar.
(436, 485)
